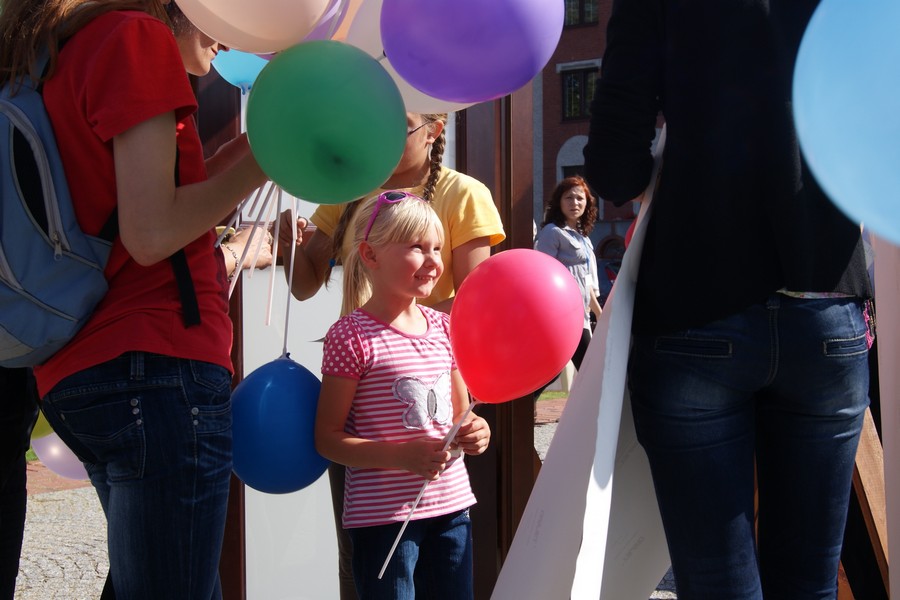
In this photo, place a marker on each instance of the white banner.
(591, 528)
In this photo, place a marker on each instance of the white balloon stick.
(447, 439)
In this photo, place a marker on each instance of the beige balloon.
(257, 27)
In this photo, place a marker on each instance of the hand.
(424, 457)
(262, 239)
(473, 436)
(286, 227)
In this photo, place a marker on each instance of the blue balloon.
(274, 410)
(240, 69)
(846, 86)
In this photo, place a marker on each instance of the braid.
(434, 168)
(437, 155)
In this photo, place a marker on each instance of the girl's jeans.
(154, 433)
(782, 386)
(433, 560)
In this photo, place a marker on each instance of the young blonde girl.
(390, 394)
(471, 225)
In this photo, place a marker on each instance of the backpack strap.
(190, 309)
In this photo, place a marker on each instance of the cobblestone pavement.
(64, 550)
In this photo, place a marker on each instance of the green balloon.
(41, 427)
(326, 122)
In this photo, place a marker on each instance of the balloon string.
(341, 7)
(287, 312)
(447, 439)
(240, 262)
(260, 244)
(275, 235)
(234, 218)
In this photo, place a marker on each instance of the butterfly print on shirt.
(427, 404)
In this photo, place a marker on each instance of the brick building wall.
(561, 138)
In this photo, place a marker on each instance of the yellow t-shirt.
(466, 209)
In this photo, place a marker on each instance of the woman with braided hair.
(471, 226)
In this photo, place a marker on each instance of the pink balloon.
(57, 457)
(515, 322)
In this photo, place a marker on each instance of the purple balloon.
(470, 50)
(57, 457)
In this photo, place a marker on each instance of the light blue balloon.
(240, 69)
(847, 108)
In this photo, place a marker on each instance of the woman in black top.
(750, 328)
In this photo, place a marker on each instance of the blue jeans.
(154, 433)
(433, 558)
(782, 386)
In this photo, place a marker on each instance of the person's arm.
(227, 155)
(156, 218)
(594, 303)
(424, 457)
(233, 248)
(465, 258)
(617, 157)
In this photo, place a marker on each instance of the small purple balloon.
(57, 457)
(470, 51)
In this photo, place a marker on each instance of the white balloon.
(365, 34)
(257, 27)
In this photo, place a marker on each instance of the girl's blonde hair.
(404, 221)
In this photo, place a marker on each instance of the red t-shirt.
(118, 71)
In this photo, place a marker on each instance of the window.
(581, 12)
(578, 92)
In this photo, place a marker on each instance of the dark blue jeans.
(434, 557)
(782, 386)
(154, 433)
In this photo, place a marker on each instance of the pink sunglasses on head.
(386, 198)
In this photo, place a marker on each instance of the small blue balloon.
(846, 85)
(274, 411)
(240, 69)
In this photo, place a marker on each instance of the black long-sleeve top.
(737, 214)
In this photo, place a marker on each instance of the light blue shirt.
(576, 253)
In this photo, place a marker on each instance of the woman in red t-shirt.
(142, 397)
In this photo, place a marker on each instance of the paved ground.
(64, 550)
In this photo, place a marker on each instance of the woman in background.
(569, 218)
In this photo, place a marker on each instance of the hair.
(27, 27)
(403, 221)
(434, 173)
(553, 211)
